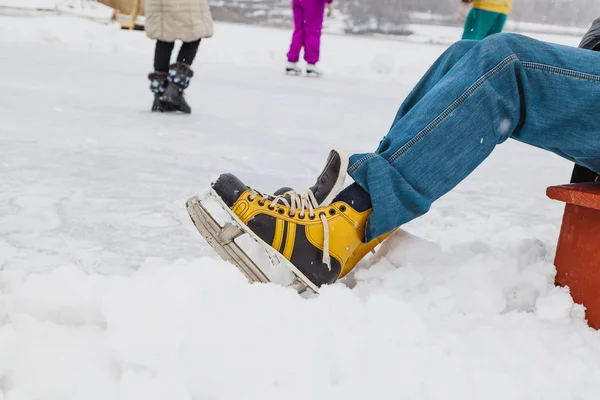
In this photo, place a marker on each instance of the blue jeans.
(475, 96)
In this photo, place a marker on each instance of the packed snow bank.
(108, 292)
(431, 324)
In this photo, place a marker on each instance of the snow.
(89, 9)
(30, 4)
(108, 292)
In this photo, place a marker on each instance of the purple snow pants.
(308, 22)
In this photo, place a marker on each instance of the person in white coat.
(167, 21)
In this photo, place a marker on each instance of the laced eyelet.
(291, 215)
(342, 208)
(332, 211)
(271, 207)
(261, 202)
(301, 216)
(311, 217)
(250, 198)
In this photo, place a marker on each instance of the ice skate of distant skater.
(292, 68)
(313, 70)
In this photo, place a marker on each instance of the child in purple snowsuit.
(308, 23)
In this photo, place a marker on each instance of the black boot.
(158, 86)
(179, 79)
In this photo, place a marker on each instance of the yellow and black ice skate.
(318, 240)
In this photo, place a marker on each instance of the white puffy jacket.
(186, 20)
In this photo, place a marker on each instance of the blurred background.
(352, 16)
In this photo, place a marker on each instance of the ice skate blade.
(215, 235)
(221, 240)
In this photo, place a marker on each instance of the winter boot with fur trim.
(158, 86)
(179, 79)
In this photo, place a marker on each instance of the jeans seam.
(561, 71)
(452, 107)
(360, 162)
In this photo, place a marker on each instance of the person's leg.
(297, 43)
(162, 55)
(158, 78)
(179, 77)
(314, 11)
(469, 25)
(436, 72)
(188, 52)
(505, 86)
(498, 24)
(478, 24)
(581, 174)
(590, 41)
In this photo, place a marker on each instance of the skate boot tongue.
(331, 178)
(282, 191)
(328, 183)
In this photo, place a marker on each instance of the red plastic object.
(578, 253)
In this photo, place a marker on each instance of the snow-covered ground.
(108, 292)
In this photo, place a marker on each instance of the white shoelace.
(300, 202)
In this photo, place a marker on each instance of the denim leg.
(498, 24)
(505, 86)
(437, 71)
